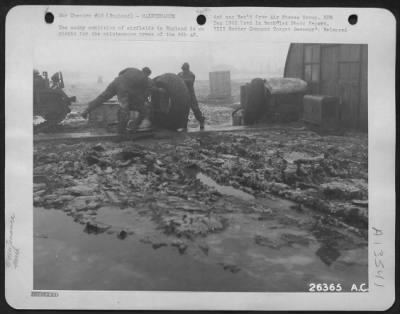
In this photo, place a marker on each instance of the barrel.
(257, 101)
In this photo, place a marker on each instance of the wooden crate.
(105, 114)
(322, 110)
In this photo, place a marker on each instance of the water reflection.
(250, 255)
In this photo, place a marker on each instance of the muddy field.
(258, 210)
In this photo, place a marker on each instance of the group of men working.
(133, 87)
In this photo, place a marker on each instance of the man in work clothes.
(131, 87)
(150, 84)
(189, 79)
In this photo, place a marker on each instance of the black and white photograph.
(174, 158)
(234, 169)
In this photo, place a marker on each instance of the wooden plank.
(87, 137)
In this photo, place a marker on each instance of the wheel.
(170, 110)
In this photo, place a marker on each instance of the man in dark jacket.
(131, 87)
(189, 79)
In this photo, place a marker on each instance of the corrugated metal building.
(339, 70)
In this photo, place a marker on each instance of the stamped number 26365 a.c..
(324, 287)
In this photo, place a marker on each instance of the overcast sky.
(90, 59)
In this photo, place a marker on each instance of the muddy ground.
(257, 210)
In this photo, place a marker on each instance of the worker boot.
(202, 123)
(132, 126)
(123, 118)
(184, 128)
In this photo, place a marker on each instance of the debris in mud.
(204, 248)
(264, 241)
(38, 120)
(328, 254)
(48, 158)
(78, 204)
(99, 147)
(340, 190)
(230, 267)
(190, 225)
(266, 214)
(363, 203)
(158, 245)
(233, 170)
(290, 174)
(180, 245)
(126, 155)
(297, 207)
(354, 215)
(223, 190)
(287, 219)
(39, 178)
(92, 227)
(94, 158)
(81, 203)
(81, 190)
(39, 186)
(145, 240)
(112, 197)
(334, 233)
(285, 240)
(122, 235)
(295, 239)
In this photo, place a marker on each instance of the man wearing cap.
(189, 78)
(131, 87)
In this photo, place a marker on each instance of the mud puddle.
(68, 258)
(270, 248)
(284, 257)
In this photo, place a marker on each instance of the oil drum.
(256, 102)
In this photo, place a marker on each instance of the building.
(339, 70)
(220, 86)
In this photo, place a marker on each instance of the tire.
(256, 102)
(176, 116)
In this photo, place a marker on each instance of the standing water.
(272, 248)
